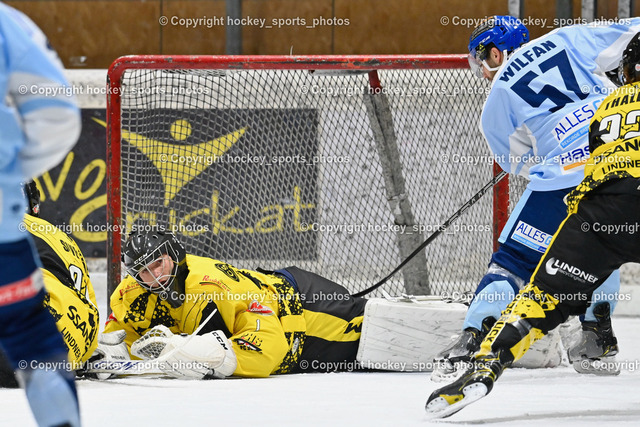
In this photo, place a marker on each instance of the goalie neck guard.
(146, 252)
(505, 33)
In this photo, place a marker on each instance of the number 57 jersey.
(536, 117)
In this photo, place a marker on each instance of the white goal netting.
(276, 167)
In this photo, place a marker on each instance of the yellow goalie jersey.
(260, 313)
(70, 297)
(614, 141)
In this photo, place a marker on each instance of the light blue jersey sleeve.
(537, 114)
(39, 121)
(44, 120)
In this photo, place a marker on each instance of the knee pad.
(495, 291)
(495, 273)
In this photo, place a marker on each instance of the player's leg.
(31, 340)
(334, 322)
(607, 293)
(496, 289)
(523, 240)
(576, 263)
(597, 341)
(530, 314)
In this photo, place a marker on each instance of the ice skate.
(595, 351)
(454, 360)
(473, 385)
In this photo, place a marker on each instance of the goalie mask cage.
(341, 165)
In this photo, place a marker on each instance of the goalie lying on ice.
(271, 320)
(210, 319)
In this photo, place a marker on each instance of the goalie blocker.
(187, 356)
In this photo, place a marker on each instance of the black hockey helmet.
(32, 194)
(630, 63)
(145, 247)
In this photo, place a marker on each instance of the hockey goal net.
(339, 165)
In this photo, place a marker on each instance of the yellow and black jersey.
(614, 140)
(70, 296)
(260, 313)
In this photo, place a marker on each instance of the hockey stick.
(140, 367)
(472, 201)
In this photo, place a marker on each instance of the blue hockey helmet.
(503, 32)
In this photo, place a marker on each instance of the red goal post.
(413, 109)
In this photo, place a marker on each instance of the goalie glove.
(187, 356)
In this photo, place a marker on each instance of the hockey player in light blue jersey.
(39, 123)
(536, 120)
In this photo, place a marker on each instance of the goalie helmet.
(32, 194)
(629, 68)
(144, 251)
(503, 32)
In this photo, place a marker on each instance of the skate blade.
(439, 408)
(604, 368)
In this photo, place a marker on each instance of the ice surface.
(557, 397)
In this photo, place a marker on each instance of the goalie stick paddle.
(140, 367)
(472, 201)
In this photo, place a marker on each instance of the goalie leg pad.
(544, 353)
(406, 336)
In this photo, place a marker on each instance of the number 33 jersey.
(536, 117)
(614, 137)
(70, 297)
